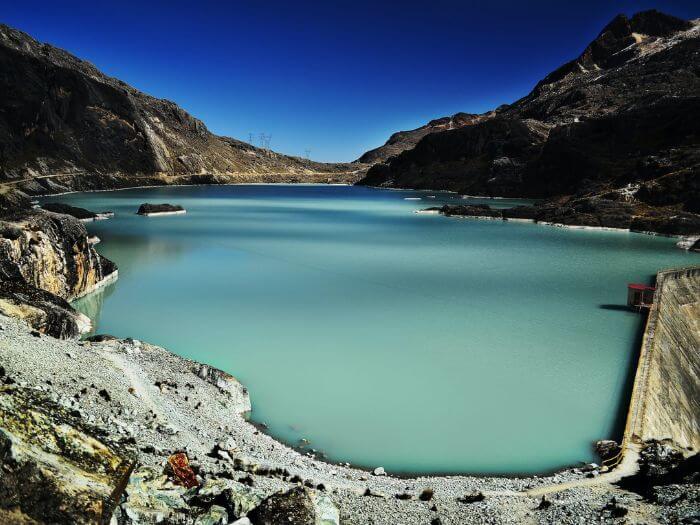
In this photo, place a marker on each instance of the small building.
(640, 295)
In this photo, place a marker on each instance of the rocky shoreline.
(153, 404)
(599, 216)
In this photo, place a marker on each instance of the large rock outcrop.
(46, 259)
(65, 125)
(298, 505)
(622, 117)
(50, 251)
(56, 469)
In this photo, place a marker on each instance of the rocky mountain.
(618, 123)
(404, 140)
(64, 125)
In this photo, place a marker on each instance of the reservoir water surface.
(416, 342)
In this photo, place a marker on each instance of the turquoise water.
(415, 342)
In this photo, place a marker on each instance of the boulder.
(298, 505)
(236, 498)
(100, 338)
(659, 459)
(216, 515)
(55, 468)
(152, 498)
(472, 497)
(607, 448)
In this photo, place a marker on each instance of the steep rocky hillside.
(621, 122)
(403, 140)
(65, 125)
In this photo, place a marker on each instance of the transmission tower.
(265, 143)
(307, 154)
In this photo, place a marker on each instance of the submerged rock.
(55, 468)
(159, 209)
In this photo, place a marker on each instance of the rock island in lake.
(160, 209)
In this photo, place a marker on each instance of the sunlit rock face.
(51, 252)
(46, 259)
(55, 468)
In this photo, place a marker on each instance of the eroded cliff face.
(45, 260)
(50, 251)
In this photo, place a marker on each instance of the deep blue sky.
(335, 77)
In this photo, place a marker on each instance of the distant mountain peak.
(619, 41)
(656, 23)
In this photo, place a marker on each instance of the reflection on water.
(385, 337)
(91, 304)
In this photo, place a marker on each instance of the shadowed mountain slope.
(620, 122)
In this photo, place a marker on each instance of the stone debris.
(472, 497)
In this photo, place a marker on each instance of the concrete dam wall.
(665, 400)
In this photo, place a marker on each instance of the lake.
(416, 342)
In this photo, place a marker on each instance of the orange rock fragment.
(183, 473)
